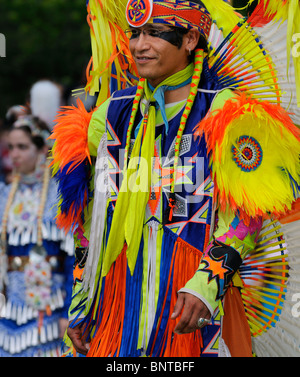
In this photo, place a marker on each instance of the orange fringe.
(113, 309)
(107, 340)
(186, 261)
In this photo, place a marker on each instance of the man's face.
(156, 58)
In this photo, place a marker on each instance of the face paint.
(155, 58)
(172, 36)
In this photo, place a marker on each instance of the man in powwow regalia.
(168, 182)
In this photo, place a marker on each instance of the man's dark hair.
(202, 44)
(180, 32)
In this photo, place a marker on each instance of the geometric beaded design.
(248, 153)
(138, 12)
(179, 13)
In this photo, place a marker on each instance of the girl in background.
(35, 256)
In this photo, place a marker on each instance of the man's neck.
(177, 95)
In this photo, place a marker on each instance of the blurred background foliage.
(244, 9)
(45, 39)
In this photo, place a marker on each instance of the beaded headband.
(35, 131)
(177, 13)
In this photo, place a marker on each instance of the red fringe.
(259, 17)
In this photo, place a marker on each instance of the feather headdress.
(110, 53)
(111, 57)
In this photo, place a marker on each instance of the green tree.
(44, 39)
(245, 9)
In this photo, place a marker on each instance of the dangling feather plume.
(71, 163)
(110, 50)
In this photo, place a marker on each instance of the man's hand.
(193, 309)
(63, 325)
(79, 342)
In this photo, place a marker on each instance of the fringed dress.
(25, 331)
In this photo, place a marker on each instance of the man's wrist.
(200, 297)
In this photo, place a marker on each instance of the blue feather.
(73, 187)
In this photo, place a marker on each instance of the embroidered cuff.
(214, 274)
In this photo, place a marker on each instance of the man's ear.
(191, 39)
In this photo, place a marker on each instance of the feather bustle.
(273, 127)
(71, 161)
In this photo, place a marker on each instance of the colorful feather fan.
(241, 62)
(274, 37)
(264, 274)
(270, 288)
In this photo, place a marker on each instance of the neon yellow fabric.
(129, 211)
(97, 128)
(221, 98)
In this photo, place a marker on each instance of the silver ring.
(202, 322)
